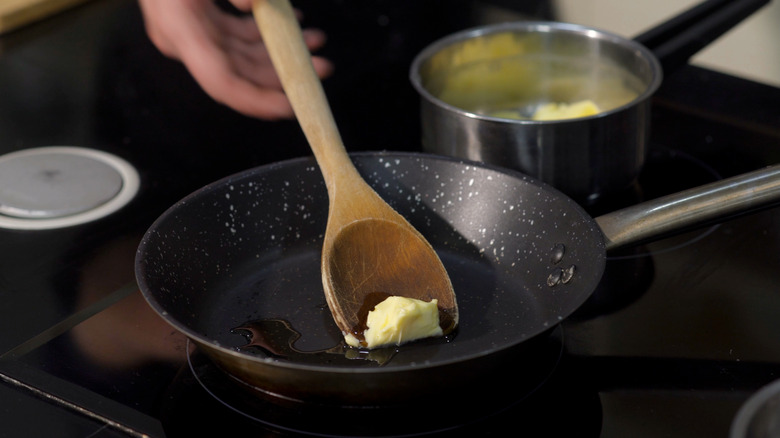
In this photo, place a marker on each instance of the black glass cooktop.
(678, 335)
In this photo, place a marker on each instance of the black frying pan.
(244, 252)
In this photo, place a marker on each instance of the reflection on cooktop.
(629, 272)
(667, 171)
(204, 387)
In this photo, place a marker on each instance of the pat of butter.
(397, 320)
(558, 111)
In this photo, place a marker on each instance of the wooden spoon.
(369, 250)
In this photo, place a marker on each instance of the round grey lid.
(55, 184)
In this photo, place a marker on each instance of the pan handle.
(691, 208)
(674, 41)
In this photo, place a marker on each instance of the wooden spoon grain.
(369, 249)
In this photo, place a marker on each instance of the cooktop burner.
(431, 416)
(658, 180)
(53, 187)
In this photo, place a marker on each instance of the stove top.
(679, 334)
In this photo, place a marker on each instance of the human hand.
(225, 53)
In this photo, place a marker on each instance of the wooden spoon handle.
(291, 58)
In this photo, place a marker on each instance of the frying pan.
(245, 252)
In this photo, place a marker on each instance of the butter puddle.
(276, 338)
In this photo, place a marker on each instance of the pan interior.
(511, 69)
(246, 249)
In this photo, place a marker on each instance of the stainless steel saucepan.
(482, 90)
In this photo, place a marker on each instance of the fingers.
(244, 97)
(256, 52)
(225, 79)
(243, 5)
(242, 28)
(314, 38)
(245, 78)
(252, 90)
(322, 67)
(225, 54)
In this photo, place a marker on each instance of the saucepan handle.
(692, 208)
(674, 41)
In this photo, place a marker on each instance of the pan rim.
(200, 339)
